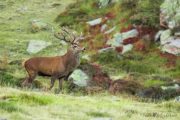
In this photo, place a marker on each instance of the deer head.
(72, 38)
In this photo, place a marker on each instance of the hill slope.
(18, 104)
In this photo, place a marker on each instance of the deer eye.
(74, 46)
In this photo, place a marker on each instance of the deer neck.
(71, 59)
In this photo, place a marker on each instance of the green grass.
(98, 114)
(35, 100)
(44, 105)
(150, 83)
(9, 107)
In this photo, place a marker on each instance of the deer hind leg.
(32, 75)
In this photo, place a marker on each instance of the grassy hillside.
(17, 103)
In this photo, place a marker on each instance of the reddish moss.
(106, 46)
(100, 78)
(119, 49)
(126, 29)
(140, 46)
(171, 59)
(143, 30)
(121, 86)
(110, 15)
(130, 40)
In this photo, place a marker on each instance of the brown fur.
(57, 67)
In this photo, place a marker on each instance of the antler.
(66, 32)
(79, 38)
(62, 35)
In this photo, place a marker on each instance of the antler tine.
(72, 35)
(61, 38)
(79, 38)
(65, 30)
(64, 37)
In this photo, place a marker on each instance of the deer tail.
(23, 62)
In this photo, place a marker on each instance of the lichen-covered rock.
(168, 91)
(152, 92)
(79, 78)
(170, 13)
(120, 37)
(36, 46)
(165, 35)
(104, 3)
(170, 19)
(172, 47)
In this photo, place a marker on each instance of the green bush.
(132, 62)
(144, 11)
(35, 99)
(9, 106)
(6, 79)
(76, 13)
(107, 57)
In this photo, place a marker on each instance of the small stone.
(127, 48)
(106, 49)
(103, 27)
(110, 30)
(22, 9)
(95, 22)
(104, 3)
(177, 99)
(37, 26)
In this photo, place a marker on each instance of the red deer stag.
(57, 67)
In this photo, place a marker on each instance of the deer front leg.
(52, 82)
(66, 77)
(60, 84)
